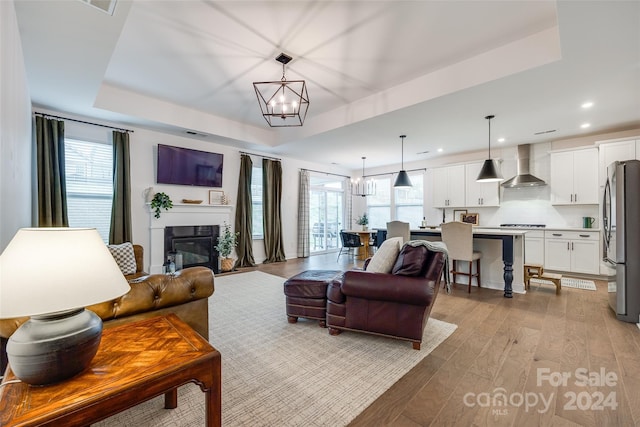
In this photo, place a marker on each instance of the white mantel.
(181, 214)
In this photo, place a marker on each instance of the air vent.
(545, 131)
(193, 133)
(107, 6)
(423, 152)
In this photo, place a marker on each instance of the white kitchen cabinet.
(616, 151)
(448, 187)
(479, 193)
(574, 177)
(534, 247)
(572, 251)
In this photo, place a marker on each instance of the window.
(409, 201)
(379, 205)
(256, 201)
(89, 176)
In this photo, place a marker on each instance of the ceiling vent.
(523, 177)
(107, 6)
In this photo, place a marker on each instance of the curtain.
(272, 197)
(244, 215)
(120, 230)
(349, 205)
(303, 215)
(52, 187)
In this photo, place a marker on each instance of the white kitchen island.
(502, 255)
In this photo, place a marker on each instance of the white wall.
(15, 130)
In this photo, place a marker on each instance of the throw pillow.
(384, 258)
(411, 260)
(124, 256)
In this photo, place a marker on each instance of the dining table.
(365, 238)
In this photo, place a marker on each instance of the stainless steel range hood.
(523, 177)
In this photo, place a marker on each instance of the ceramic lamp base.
(50, 348)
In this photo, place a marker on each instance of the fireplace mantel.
(181, 214)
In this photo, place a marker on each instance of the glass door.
(326, 213)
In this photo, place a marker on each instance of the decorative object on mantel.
(191, 201)
(227, 241)
(402, 181)
(368, 187)
(148, 194)
(217, 197)
(363, 221)
(160, 201)
(283, 103)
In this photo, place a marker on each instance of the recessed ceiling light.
(439, 150)
(585, 125)
(587, 104)
(501, 139)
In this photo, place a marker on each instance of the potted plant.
(160, 201)
(227, 241)
(363, 221)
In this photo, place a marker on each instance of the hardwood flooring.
(507, 355)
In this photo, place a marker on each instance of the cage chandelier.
(364, 188)
(283, 103)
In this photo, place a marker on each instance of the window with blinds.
(88, 168)
(256, 201)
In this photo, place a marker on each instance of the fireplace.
(195, 243)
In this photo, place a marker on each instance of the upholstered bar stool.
(458, 236)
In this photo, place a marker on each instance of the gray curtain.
(272, 197)
(303, 215)
(52, 187)
(244, 215)
(120, 230)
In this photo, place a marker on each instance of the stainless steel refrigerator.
(621, 224)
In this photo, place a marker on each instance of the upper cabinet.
(448, 187)
(574, 177)
(617, 151)
(480, 193)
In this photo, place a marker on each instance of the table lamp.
(51, 274)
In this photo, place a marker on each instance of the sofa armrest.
(156, 291)
(387, 287)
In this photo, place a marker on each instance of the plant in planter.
(363, 221)
(227, 241)
(160, 201)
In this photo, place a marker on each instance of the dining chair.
(398, 229)
(349, 242)
(458, 236)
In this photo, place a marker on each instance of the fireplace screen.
(194, 243)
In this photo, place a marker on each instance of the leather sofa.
(392, 305)
(186, 294)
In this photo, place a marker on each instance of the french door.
(326, 214)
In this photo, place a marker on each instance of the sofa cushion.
(124, 256)
(411, 261)
(385, 257)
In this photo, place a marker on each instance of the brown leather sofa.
(392, 305)
(185, 294)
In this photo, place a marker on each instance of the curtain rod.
(326, 173)
(82, 121)
(260, 155)
(391, 173)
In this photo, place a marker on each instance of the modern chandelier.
(283, 103)
(364, 188)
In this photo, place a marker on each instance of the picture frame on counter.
(216, 197)
(470, 218)
(457, 214)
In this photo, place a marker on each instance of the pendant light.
(368, 187)
(490, 171)
(402, 181)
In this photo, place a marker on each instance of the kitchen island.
(500, 248)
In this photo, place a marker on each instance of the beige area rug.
(280, 374)
(569, 282)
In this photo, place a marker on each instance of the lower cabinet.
(572, 251)
(534, 247)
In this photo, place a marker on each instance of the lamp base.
(53, 347)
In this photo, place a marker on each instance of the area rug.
(568, 282)
(279, 374)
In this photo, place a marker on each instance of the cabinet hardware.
(568, 246)
(571, 245)
(584, 235)
(557, 234)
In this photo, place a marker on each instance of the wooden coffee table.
(135, 362)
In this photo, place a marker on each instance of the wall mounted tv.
(184, 166)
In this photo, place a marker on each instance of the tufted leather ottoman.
(307, 294)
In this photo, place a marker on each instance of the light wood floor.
(502, 348)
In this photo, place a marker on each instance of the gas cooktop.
(523, 225)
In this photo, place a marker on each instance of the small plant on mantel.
(363, 221)
(227, 241)
(160, 201)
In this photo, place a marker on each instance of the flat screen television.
(184, 166)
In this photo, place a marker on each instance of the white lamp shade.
(47, 270)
